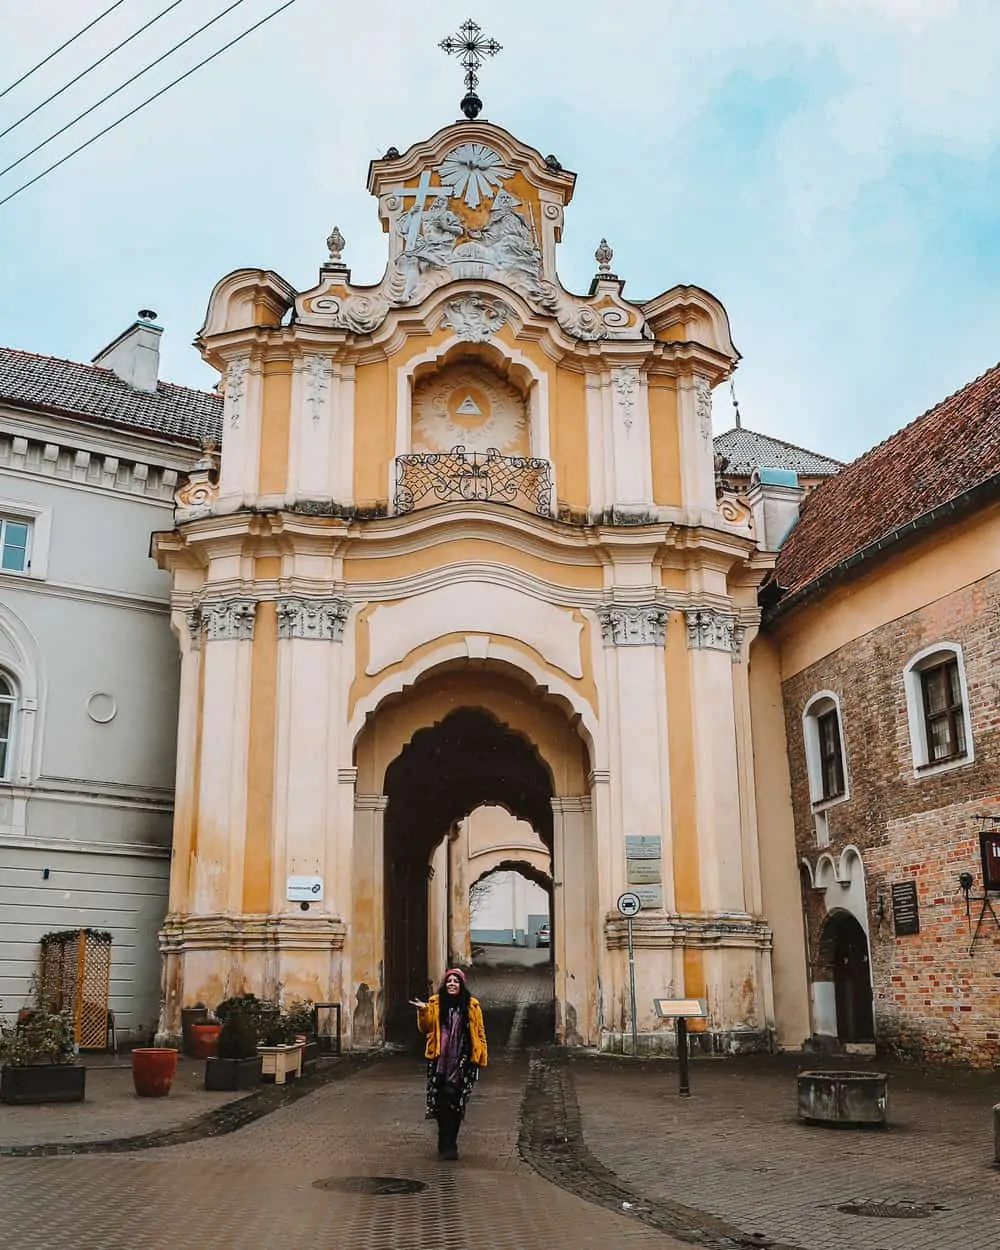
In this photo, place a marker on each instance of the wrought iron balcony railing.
(427, 477)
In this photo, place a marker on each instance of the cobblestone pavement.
(257, 1188)
(737, 1150)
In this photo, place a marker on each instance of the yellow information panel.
(670, 1008)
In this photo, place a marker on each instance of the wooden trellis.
(75, 976)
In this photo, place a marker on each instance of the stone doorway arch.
(426, 758)
(845, 958)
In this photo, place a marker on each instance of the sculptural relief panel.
(467, 405)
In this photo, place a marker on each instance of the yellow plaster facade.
(466, 516)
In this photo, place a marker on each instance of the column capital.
(228, 620)
(714, 629)
(633, 625)
(323, 619)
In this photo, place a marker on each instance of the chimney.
(774, 498)
(135, 354)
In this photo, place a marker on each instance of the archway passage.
(844, 950)
(447, 770)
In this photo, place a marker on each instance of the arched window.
(937, 703)
(826, 761)
(8, 706)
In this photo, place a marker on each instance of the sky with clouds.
(830, 169)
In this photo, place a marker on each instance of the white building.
(90, 458)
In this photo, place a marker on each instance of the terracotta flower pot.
(153, 1069)
(204, 1039)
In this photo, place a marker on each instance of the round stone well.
(844, 1098)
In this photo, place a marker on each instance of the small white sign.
(629, 904)
(671, 1008)
(305, 889)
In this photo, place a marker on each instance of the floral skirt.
(447, 1095)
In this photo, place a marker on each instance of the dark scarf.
(454, 1018)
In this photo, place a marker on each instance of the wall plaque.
(644, 871)
(989, 848)
(638, 847)
(905, 915)
(649, 895)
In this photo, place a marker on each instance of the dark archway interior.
(844, 953)
(441, 775)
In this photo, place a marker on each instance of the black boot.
(448, 1125)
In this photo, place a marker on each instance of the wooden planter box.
(229, 1074)
(50, 1082)
(281, 1061)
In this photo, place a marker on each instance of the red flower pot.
(153, 1069)
(204, 1039)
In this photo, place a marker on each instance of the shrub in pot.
(38, 1059)
(235, 1064)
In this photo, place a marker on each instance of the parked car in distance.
(542, 937)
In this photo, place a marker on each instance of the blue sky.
(830, 169)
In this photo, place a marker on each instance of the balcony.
(427, 478)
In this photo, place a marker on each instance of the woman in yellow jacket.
(455, 1050)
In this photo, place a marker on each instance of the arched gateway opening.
(455, 741)
(844, 953)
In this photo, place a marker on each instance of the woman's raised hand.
(416, 1002)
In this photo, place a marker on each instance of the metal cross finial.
(471, 46)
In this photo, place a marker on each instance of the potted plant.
(302, 1020)
(277, 1044)
(204, 1038)
(153, 1070)
(38, 1058)
(235, 1064)
(197, 1013)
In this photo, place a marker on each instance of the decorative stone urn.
(844, 1098)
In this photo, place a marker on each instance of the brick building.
(885, 606)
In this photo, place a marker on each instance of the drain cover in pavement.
(889, 1208)
(375, 1185)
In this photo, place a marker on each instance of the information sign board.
(305, 889)
(671, 1008)
(641, 847)
(989, 846)
(905, 914)
(650, 895)
(644, 871)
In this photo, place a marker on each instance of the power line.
(45, 60)
(127, 83)
(84, 72)
(163, 90)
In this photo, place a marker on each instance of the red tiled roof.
(939, 456)
(92, 393)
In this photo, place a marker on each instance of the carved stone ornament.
(317, 376)
(712, 629)
(322, 619)
(236, 389)
(335, 243)
(633, 625)
(201, 485)
(604, 256)
(471, 407)
(703, 406)
(475, 318)
(361, 314)
(228, 620)
(194, 624)
(626, 383)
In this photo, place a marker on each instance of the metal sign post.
(629, 906)
(680, 1009)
